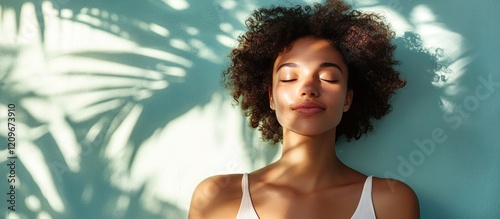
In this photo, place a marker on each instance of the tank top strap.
(246, 210)
(365, 206)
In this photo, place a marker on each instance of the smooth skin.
(309, 95)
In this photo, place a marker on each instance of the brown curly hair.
(363, 40)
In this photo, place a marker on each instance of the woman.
(307, 76)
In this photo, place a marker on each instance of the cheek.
(337, 102)
(282, 98)
(282, 101)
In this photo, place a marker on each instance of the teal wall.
(119, 112)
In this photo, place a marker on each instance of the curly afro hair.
(363, 40)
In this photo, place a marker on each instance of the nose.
(309, 88)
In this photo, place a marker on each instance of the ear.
(271, 100)
(348, 100)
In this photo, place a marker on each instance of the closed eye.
(288, 80)
(330, 81)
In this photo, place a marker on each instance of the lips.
(308, 107)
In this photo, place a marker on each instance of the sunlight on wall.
(177, 4)
(448, 46)
(232, 34)
(36, 166)
(185, 145)
(228, 4)
(28, 28)
(118, 150)
(451, 47)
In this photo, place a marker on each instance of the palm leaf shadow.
(73, 185)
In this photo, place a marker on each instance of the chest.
(335, 203)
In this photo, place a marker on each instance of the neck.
(309, 160)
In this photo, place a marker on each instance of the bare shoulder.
(394, 199)
(216, 197)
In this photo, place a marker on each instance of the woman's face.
(309, 89)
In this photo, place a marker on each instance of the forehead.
(312, 51)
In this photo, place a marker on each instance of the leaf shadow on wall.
(154, 83)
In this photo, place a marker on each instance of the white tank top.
(363, 211)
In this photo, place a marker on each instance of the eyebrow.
(322, 65)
